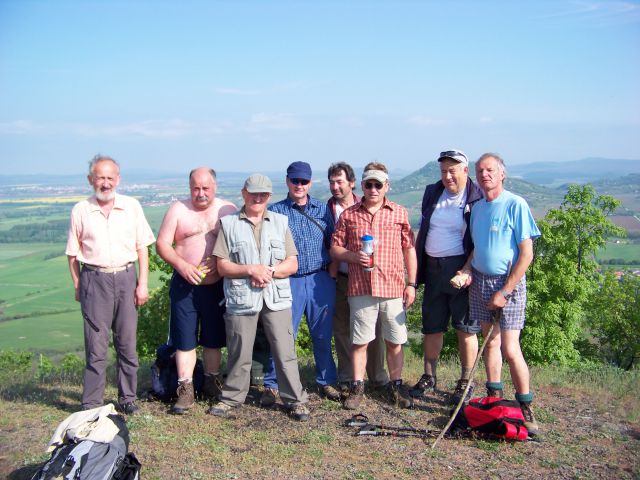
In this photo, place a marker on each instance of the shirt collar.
(265, 216)
(386, 203)
(310, 202)
(118, 202)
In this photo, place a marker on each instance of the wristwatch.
(504, 293)
(412, 284)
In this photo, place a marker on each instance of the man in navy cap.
(313, 289)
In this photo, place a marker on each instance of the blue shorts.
(196, 315)
(481, 290)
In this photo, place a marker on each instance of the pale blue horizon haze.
(254, 85)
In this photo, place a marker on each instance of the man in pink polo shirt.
(107, 234)
(379, 294)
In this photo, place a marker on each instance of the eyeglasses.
(299, 181)
(370, 185)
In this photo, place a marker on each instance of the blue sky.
(254, 85)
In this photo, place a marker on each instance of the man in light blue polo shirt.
(503, 230)
(313, 289)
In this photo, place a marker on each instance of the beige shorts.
(365, 312)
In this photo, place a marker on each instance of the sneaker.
(495, 392)
(269, 397)
(299, 412)
(220, 409)
(426, 384)
(329, 392)
(356, 396)
(186, 398)
(397, 395)
(212, 386)
(529, 420)
(459, 391)
(129, 408)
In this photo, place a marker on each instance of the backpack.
(89, 460)
(164, 375)
(496, 417)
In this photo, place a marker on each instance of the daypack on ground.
(93, 460)
(496, 417)
(164, 375)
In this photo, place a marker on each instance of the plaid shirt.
(392, 233)
(310, 241)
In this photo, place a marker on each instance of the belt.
(342, 274)
(321, 269)
(444, 259)
(108, 269)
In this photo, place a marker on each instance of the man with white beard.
(107, 234)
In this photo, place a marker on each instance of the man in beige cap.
(256, 255)
(378, 292)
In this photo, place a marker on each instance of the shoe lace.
(526, 412)
(460, 387)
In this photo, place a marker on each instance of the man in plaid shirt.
(380, 293)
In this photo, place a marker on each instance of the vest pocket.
(238, 253)
(237, 293)
(278, 252)
(282, 290)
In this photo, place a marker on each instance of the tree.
(564, 275)
(614, 319)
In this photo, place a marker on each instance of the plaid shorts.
(480, 291)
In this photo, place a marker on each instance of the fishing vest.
(241, 297)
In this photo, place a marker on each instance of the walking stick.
(495, 318)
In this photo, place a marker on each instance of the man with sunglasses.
(381, 294)
(443, 246)
(342, 180)
(313, 289)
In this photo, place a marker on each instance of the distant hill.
(587, 170)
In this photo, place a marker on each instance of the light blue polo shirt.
(497, 227)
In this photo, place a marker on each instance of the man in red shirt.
(380, 293)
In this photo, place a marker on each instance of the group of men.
(301, 256)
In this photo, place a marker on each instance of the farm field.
(38, 311)
(625, 251)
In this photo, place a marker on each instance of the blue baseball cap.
(299, 170)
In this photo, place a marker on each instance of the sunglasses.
(299, 181)
(451, 153)
(370, 185)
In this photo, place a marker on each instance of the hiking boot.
(356, 396)
(212, 386)
(186, 398)
(426, 384)
(269, 397)
(329, 392)
(459, 391)
(495, 392)
(129, 408)
(299, 412)
(529, 420)
(220, 409)
(397, 395)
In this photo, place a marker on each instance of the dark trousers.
(108, 305)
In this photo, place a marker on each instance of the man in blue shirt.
(312, 288)
(503, 230)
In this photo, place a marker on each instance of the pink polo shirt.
(108, 241)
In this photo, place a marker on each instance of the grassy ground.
(589, 424)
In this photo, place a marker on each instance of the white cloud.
(608, 11)
(422, 121)
(236, 91)
(485, 120)
(17, 127)
(272, 121)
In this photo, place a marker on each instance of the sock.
(212, 374)
(466, 373)
(185, 380)
(494, 386)
(431, 367)
(524, 397)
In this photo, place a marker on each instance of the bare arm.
(525, 258)
(411, 264)
(341, 254)
(74, 269)
(142, 289)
